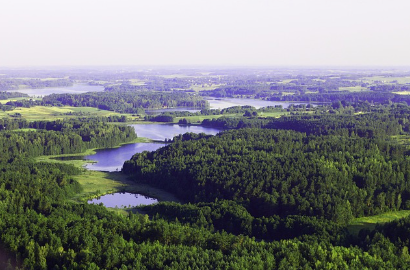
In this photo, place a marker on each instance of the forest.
(123, 102)
(278, 189)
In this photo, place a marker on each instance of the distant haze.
(199, 32)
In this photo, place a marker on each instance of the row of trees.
(124, 102)
(14, 84)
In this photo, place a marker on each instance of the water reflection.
(168, 131)
(75, 89)
(112, 159)
(222, 103)
(123, 199)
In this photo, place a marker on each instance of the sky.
(205, 32)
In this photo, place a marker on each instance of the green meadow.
(353, 89)
(53, 113)
(370, 222)
(97, 183)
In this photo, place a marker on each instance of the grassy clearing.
(353, 89)
(137, 82)
(200, 118)
(288, 93)
(26, 129)
(402, 93)
(273, 114)
(312, 92)
(97, 183)
(286, 81)
(401, 80)
(370, 222)
(53, 113)
(205, 87)
(401, 139)
(4, 101)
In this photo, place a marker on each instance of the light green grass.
(26, 129)
(200, 118)
(353, 89)
(4, 101)
(402, 93)
(401, 139)
(272, 114)
(401, 80)
(370, 222)
(137, 82)
(96, 183)
(205, 87)
(287, 93)
(286, 81)
(42, 79)
(53, 113)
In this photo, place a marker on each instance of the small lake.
(222, 103)
(75, 89)
(158, 111)
(112, 159)
(123, 199)
(168, 131)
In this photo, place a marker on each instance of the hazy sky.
(204, 32)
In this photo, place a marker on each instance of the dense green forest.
(15, 84)
(267, 193)
(6, 95)
(123, 102)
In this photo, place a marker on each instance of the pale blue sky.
(204, 32)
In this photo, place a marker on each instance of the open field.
(97, 183)
(370, 222)
(272, 114)
(401, 139)
(137, 82)
(288, 93)
(206, 87)
(42, 79)
(53, 113)
(286, 81)
(402, 93)
(200, 118)
(4, 101)
(353, 89)
(401, 80)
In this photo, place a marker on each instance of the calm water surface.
(112, 159)
(122, 199)
(188, 109)
(75, 89)
(222, 103)
(168, 131)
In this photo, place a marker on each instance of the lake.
(112, 159)
(75, 89)
(160, 132)
(158, 111)
(123, 199)
(222, 103)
